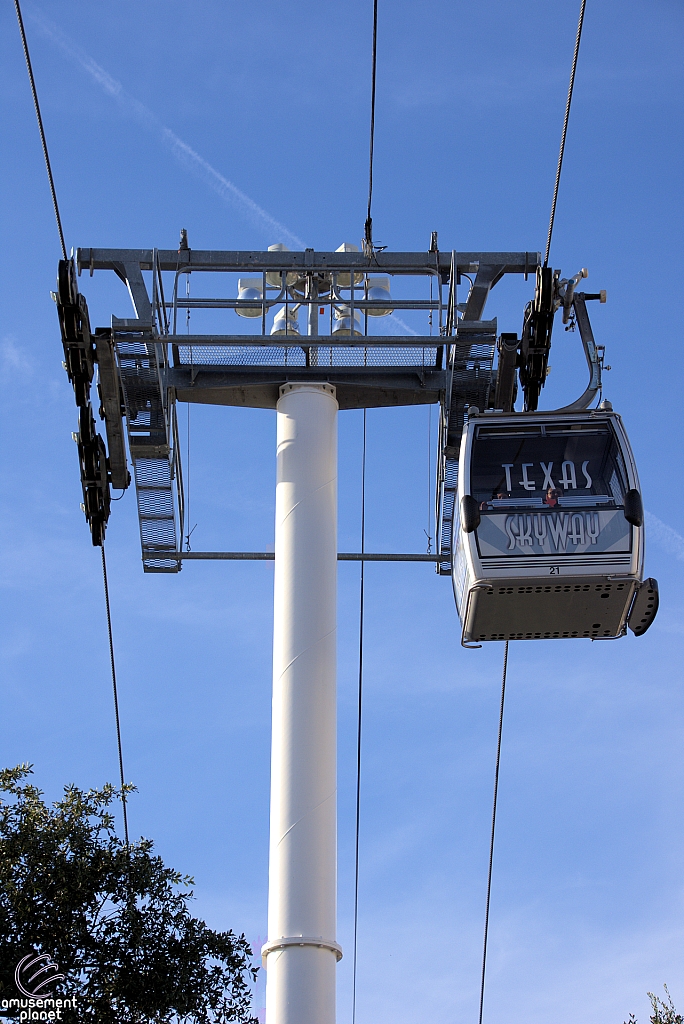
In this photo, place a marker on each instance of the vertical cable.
(564, 132)
(116, 696)
(368, 232)
(358, 726)
(43, 140)
(491, 843)
(187, 536)
(429, 490)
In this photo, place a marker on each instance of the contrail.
(665, 537)
(404, 327)
(227, 190)
(184, 153)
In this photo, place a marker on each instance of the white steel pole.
(301, 952)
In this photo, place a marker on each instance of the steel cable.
(429, 490)
(116, 696)
(368, 231)
(53, 193)
(565, 132)
(491, 842)
(358, 727)
(43, 140)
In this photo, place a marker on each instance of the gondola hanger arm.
(566, 291)
(579, 308)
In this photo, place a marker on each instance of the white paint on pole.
(301, 952)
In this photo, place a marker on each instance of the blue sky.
(242, 122)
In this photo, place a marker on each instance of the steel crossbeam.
(307, 261)
(146, 365)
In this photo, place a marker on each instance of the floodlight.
(300, 287)
(250, 288)
(275, 277)
(285, 321)
(343, 280)
(379, 290)
(343, 321)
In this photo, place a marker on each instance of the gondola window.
(547, 490)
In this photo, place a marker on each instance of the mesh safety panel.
(320, 355)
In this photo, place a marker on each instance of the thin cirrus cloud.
(184, 153)
(665, 537)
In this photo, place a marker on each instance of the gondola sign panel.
(552, 533)
(549, 491)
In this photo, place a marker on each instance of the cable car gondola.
(549, 539)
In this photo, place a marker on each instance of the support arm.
(591, 353)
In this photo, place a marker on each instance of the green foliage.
(663, 1012)
(114, 919)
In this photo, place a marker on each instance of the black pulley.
(79, 352)
(536, 337)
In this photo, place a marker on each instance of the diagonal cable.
(53, 193)
(564, 132)
(43, 140)
(491, 843)
(116, 696)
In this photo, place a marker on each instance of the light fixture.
(275, 277)
(285, 321)
(343, 321)
(343, 280)
(250, 288)
(379, 291)
(299, 289)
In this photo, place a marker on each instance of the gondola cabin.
(549, 539)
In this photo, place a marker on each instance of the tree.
(113, 918)
(663, 1012)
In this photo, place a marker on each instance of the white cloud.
(12, 358)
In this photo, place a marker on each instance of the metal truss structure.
(146, 364)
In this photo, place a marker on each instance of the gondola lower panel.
(528, 609)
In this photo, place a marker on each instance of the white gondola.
(549, 539)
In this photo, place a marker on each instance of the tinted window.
(538, 466)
